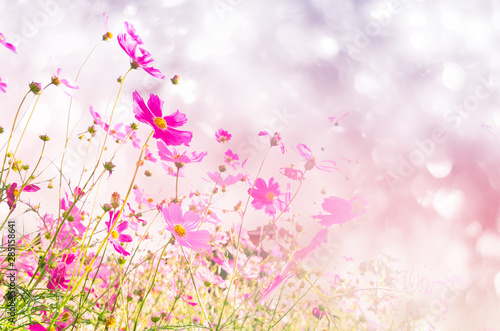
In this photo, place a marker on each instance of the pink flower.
(311, 163)
(131, 43)
(179, 159)
(141, 197)
(6, 44)
(291, 172)
(230, 179)
(117, 236)
(162, 125)
(58, 81)
(3, 86)
(222, 136)
(184, 227)
(108, 35)
(268, 197)
(274, 140)
(341, 210)
(58, 277)
(13, 192)
(231, 158)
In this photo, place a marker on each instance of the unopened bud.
(115, 200)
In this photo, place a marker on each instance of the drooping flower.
(56, 80)
(311, 162)
(131, 43)
(231, 159)
(176, 157)
(268, 196)
(274, 140)
(3, 86)
(13, 191)
(6, 44)
(341, 210)
(184, 227)
(162, 125)
(117, 236)
(222, 136)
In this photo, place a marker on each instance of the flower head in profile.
(268, 196)
(176, 157)
(341, 210)
(56, 80)
(117, 236)
(162, 125)
(13, 191)
(3, 86)
(6, 44)
(108, 35)
(274, 140)
(311, 162)
(184, 227)
(222, 136)
(132, 44)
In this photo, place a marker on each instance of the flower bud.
(175, 79)
(115, 200)
(36, 88)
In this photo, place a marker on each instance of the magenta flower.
(58, 81)
(311, 163)
(223, 136)
(231, 159)
(13, 191)
(108, 35)
(58, 277)
(274, 140)
(162, 125)
(268, 197)
(3, 86)
(117, 237)
(131, 43)
(184, 227)
(341, 210)
(176, 157)
(6, 44)
(291, 172)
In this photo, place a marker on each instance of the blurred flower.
(268, 197)
(230, 179)
(175, 79)
(179, 159)
(58, 81)
(184, 227)
(341, 210)
(274, 140)
(6, 44)
(291, 172)
(108, 35)
(311, 163)
(117, 237)
(3, 86)
(13, 191)
(222, 136)
(130, 42)
(231, 159)
(163, 126)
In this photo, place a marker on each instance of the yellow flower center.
(150, 200)
(114, 234)
(16, 192)
(65, 315)
(181, 232)
(160, 123)
(270, 196)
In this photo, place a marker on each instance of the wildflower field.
(144, 187)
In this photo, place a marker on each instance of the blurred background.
(418, 80)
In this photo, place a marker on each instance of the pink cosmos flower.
(268, 197)
(311, 163)
(3, 86)
(143, 198)
(341, 210)
(131, 43)
(184, 227)
(58, 81)
(13, 191)
(223, 136)
(162, 125)
(176, 157)
(6, 44)
(58, 277)
(149, 156)
(117, 236)
(231, 159)
(291, 172)
(108, 35)
(74, 218)
(230, 179)
(274, 140)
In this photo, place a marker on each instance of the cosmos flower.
(176, 157)
(108, 35)
(117, 235)
(132, 44)
(65, 84)
(274, 140)
(162, 125)
(6, 44)
(184, 227)
(268, 196)
(230, 179)
(13, 191)
(222, 136)
(311, 162)
(291, 172)
(231, 159)
(341, 210)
